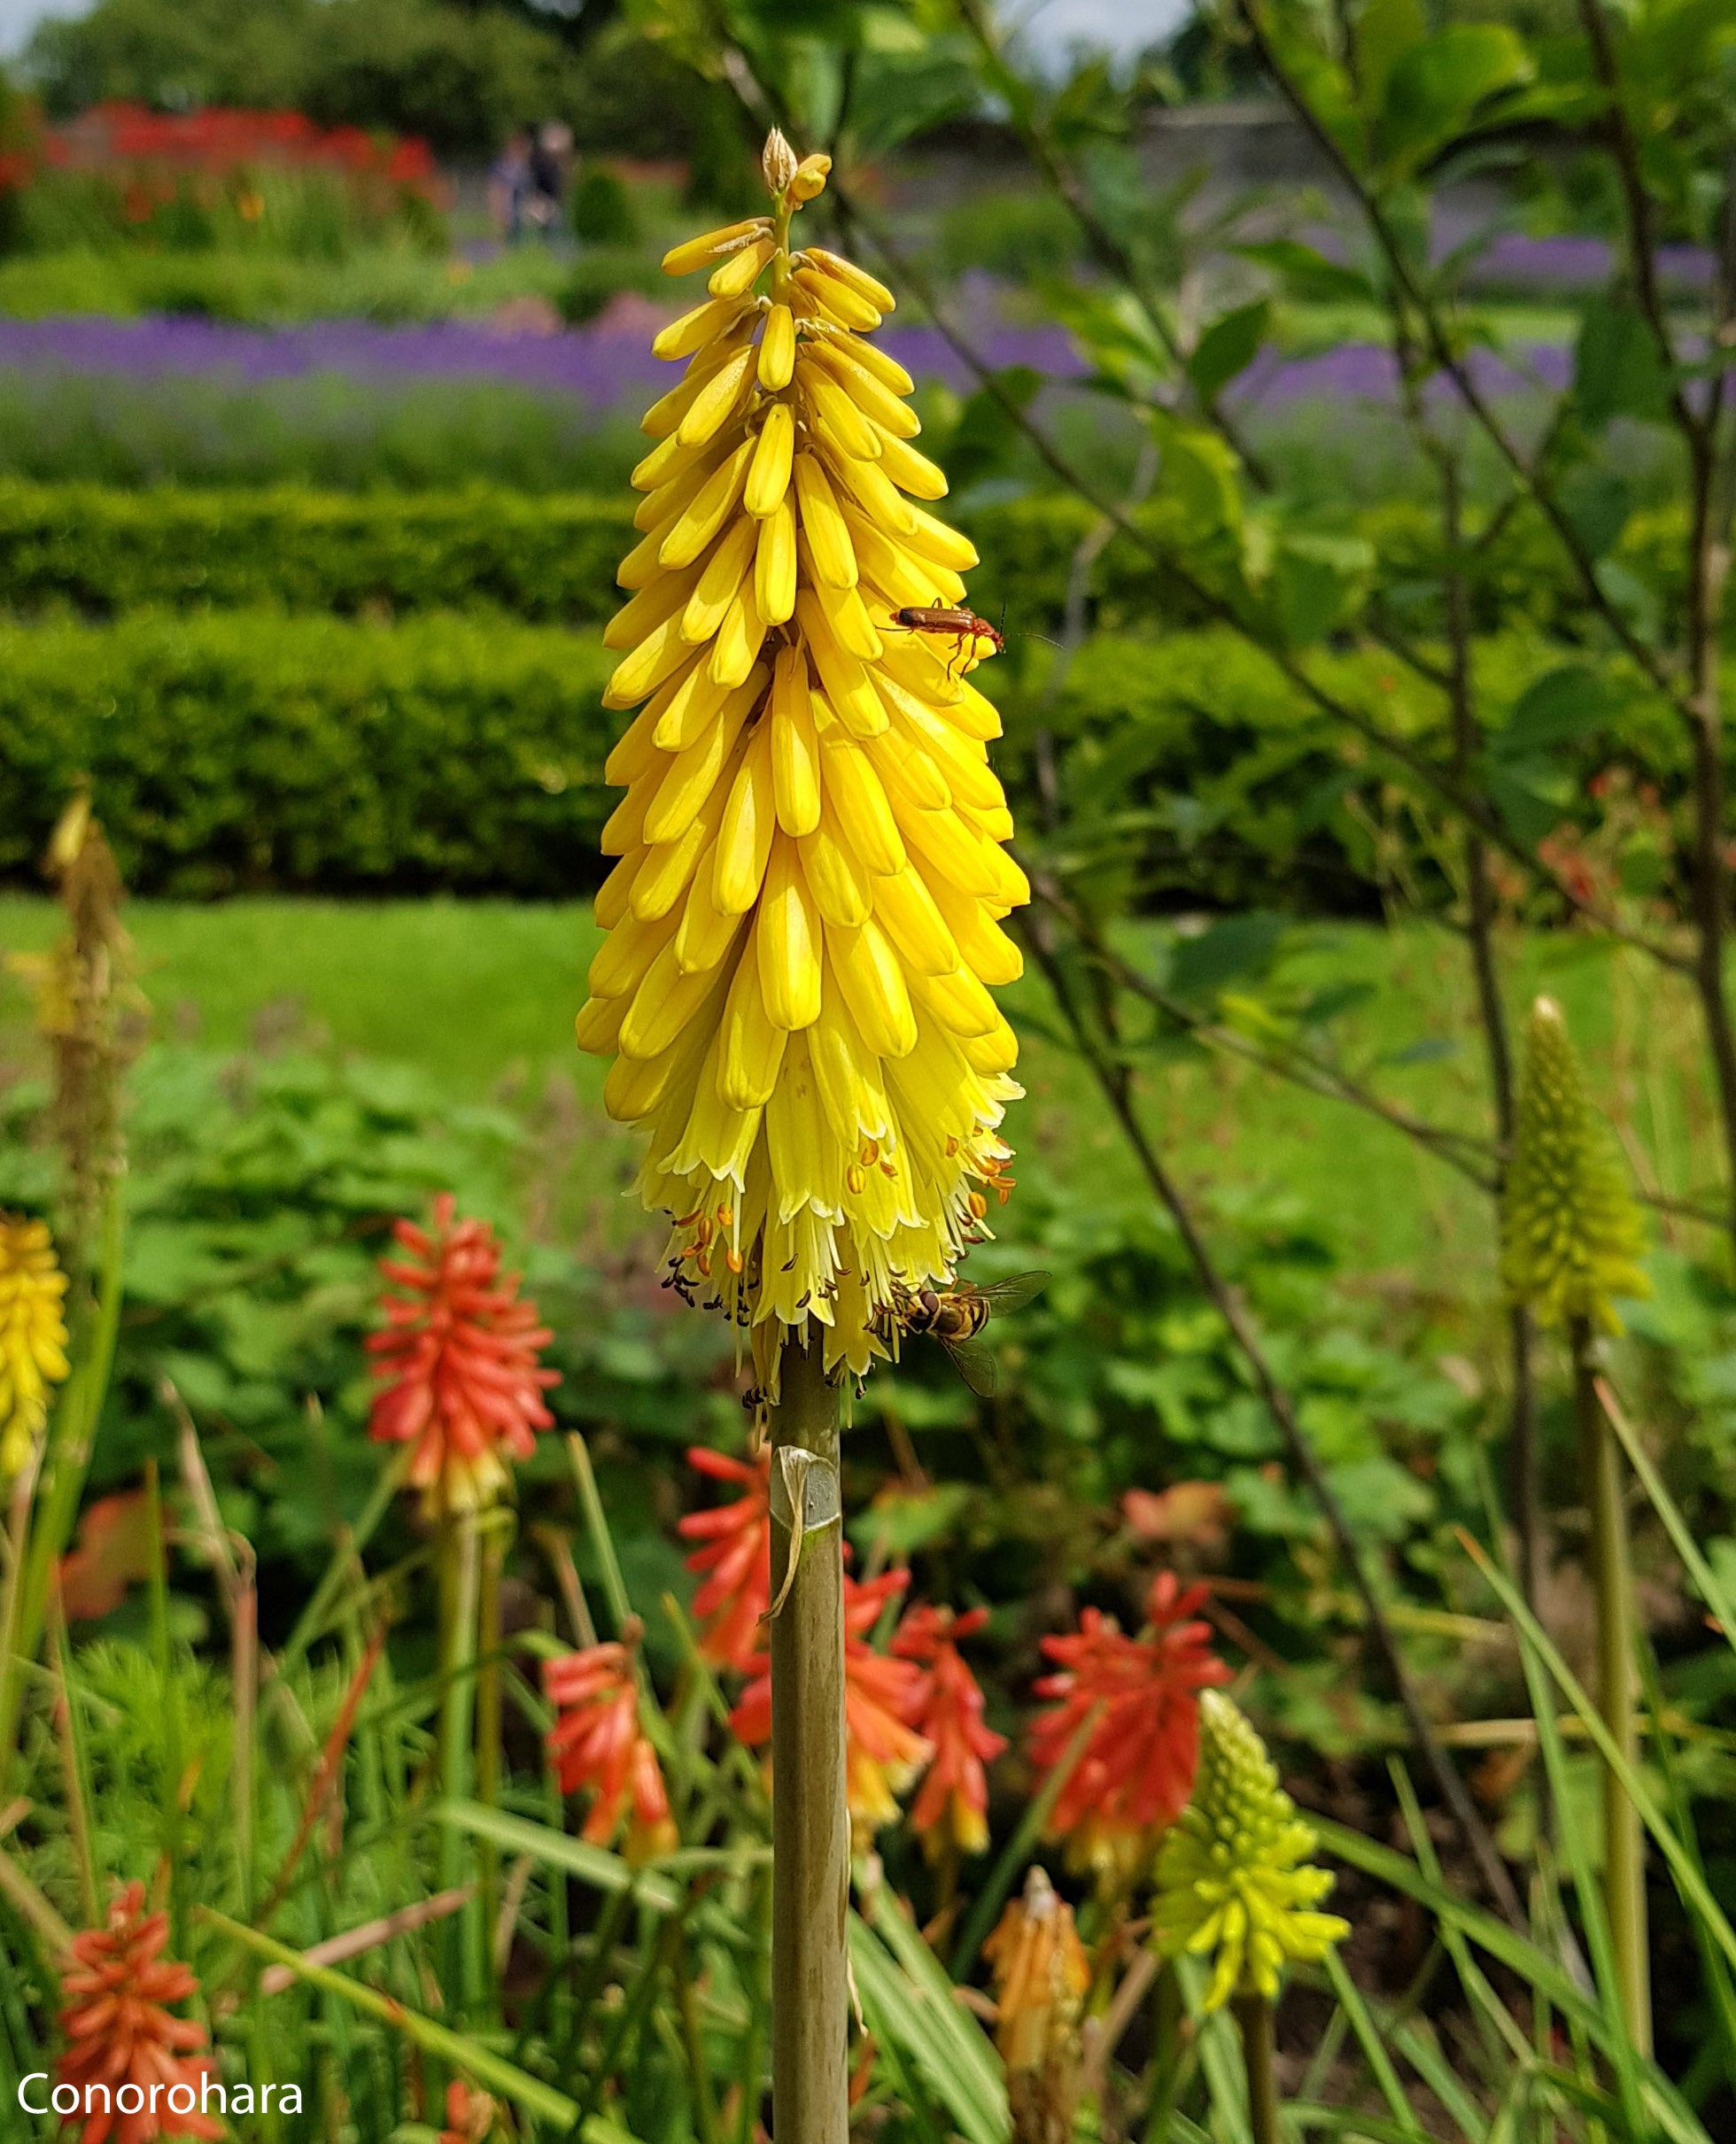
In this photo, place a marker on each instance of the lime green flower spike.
(1232, 1879)
(1570, 1231)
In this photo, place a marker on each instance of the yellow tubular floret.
(806, 918)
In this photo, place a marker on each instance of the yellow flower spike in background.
(1233, 1881)
(808, 901)
(1571, 1233)
(33, 1337)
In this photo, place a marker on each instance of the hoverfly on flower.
(955, 1318)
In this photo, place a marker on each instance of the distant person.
(550, 164)
(509, 183)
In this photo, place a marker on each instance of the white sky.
(1123, 26)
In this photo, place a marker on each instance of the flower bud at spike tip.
(777, 162)
(1234, 1884)
(808, 911)
(1571, 1233)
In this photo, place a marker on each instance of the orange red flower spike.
(119, 2032)
(1137, 1769)
(946, 1709)
(598, 1745)
(458, 1362)
(884, 1752)
(735, 1561)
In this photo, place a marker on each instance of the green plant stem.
(810, 1831)
(458, 1587)
(488, 1721)
(1612, 1581)
(1167, 2013)
(1253, 2017)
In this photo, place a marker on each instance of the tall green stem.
(488, 1722)
(810, 1831)
(1253, 2016)
(1612, 1580)
(458, 1589)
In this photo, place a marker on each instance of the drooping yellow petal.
(721, 397)
(717, 586)
(753, 1046)
(696, 252)
(712, 506)
(872, 982)
(795, 748)
(788, 942)
(744, 837)
(775, 566)
(823, 525)
(704, 324)
(776, 358)
(769, 477)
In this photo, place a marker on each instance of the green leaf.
(1233, 946)
(1385, 31)
(1229, 346)
(1615, 367)
(1199, 469)
(1307, 273)
(592, 1865)
(907, 1994)
(1561, 705)
(1437, 87)
(1319, 581)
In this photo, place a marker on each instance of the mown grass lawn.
(480, 996)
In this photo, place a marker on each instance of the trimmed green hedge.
(105, 552)
(233, 750)
(244, 750)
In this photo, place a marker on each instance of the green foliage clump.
(462, 77)
(247, 748)
(601, 210)
(1020, 234)
(1572, 1234)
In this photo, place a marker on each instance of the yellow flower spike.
(1572, 1234)
(1233, 1883)
(33, 1337)
(807, 913)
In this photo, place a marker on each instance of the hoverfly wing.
(974, 1363)
(1014, 1292)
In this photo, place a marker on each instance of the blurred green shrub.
(248, 748)
(601, 210)
(1015, 234)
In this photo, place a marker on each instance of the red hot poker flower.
(946, 1709)
(458, 1362)
(598, 1744)
(469, 2115)
(1137, 1769)
(735, 1560)
(119, 2029)
(884, 1753)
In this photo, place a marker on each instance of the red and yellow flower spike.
(805, 919)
